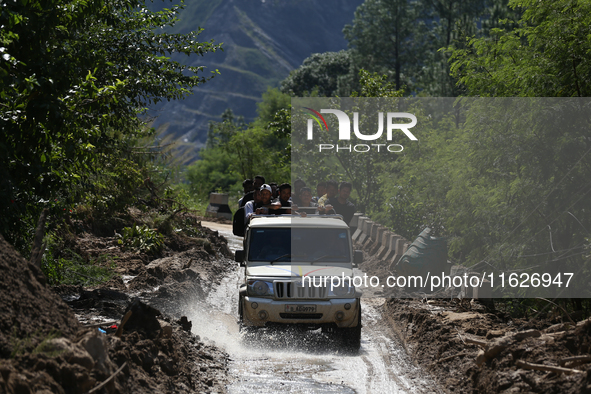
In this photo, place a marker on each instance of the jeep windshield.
(314, 245)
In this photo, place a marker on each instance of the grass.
(21, 345)
(63, 266)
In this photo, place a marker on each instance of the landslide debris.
(469, 349)
(72, 339)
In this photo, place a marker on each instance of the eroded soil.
(66, 339)
(467, 347)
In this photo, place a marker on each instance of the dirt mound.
(468, 349)
(44, 347)
(30, 310)
(145, 355)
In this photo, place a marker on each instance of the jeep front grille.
(288, 289)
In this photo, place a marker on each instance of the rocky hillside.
(263, 41)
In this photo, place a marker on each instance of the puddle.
(303, 362)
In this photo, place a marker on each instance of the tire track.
(304, 362)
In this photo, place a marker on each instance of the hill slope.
(263, 41)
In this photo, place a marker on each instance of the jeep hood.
(297, 270)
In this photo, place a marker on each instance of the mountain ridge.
(263, 41)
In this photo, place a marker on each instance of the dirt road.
(298, 362)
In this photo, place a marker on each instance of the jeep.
(291, 268)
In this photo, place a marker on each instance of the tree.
(235, 150)
(220, 133)
(533, 180)
(74, 77)
(211, 173)
(321, 73)
(362, 170)
(546, 56)
(383, 39)
(404, 39)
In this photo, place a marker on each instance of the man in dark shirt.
(341, 204)
(259, 180)
(332, 188)
(284, 199)
(248, 186)
(297, 185)
(275, 188)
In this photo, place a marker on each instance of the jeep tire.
(351, 337)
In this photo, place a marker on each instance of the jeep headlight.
(346, 290)
(259, 288)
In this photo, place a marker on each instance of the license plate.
(300, 308)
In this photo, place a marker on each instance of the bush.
(143, 239)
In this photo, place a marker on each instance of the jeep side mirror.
(357, 258)
(239, 257)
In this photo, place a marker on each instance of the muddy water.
(304, 362)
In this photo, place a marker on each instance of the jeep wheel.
(351, 337)
(248, 334)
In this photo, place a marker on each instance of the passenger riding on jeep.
(263, 206)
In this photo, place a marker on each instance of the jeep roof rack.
(332, 216)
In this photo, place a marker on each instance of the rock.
(143, 319)
(527, 334)
(76, 379)
(96, 346)
(494, 334)
(17, 383)
(493, 349)
(166, 364)
(166, 331)
(70, 352)
(185, 323)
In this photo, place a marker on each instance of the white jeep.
(292, 265)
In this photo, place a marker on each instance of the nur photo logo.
(393, 122)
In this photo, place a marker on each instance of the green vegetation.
(502, 180)
(74, 78)
(322, 74)
(21, 346)
(61, 265)
(143, 239)
(508, 190)
(48, 349)
(545, 55)
(236, 150)
(403, 40)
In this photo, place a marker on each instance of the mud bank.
(468, 349)
(126, 336)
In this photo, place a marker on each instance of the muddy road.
(305, 362)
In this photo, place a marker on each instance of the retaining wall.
(379, 241)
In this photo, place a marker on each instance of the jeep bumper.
(341, 312)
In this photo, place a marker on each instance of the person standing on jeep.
(340, 204)
(261, 207)
(259, 180)
(251, 206)
(295, 195)
(284, 199)
(306, 206)
(248, 186)
(331, 191)
(320, 191)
